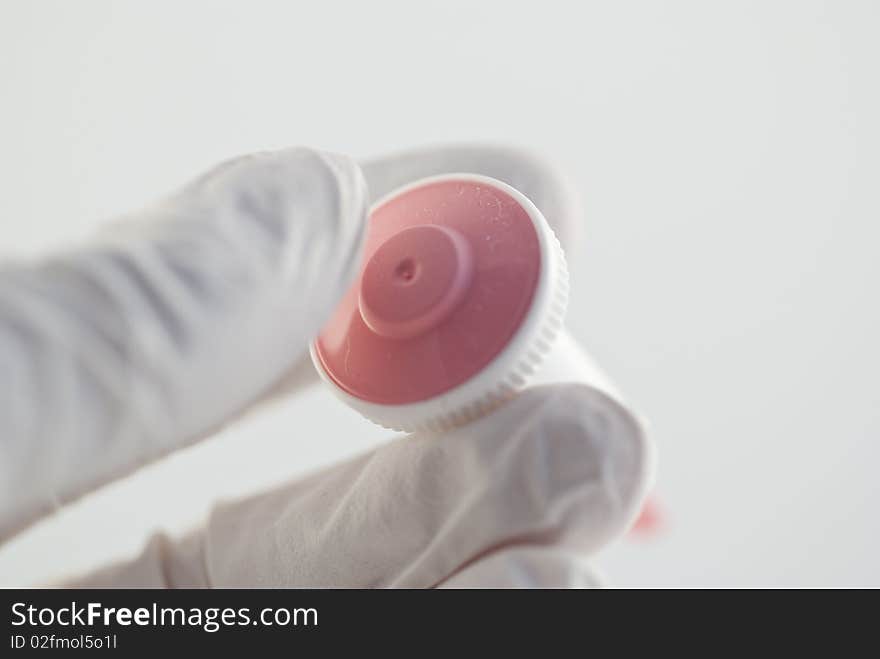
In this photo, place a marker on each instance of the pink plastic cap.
(415, 280)
(451, 267)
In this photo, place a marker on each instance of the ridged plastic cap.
(462, 292)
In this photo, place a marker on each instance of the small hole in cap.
(405, 271)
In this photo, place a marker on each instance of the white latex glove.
(204, 304)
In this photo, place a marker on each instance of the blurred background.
(727, 280)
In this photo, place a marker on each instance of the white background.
(728, 155)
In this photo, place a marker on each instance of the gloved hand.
(184, 316)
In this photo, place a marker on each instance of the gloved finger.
(527, 566)
(185, 314)
(558, 466)
(536, 177)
